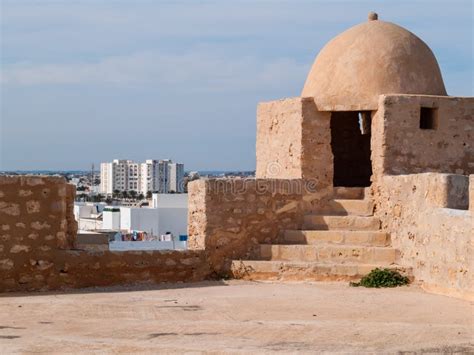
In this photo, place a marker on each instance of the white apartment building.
(176, 177)
(148, 176)
(106, 178)
(114, 176)
(161, 176)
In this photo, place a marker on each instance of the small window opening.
(428, 118)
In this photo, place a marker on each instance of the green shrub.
(382, 278)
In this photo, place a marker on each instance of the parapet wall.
(37, 236)
(229, 218)
(36, 213)
(428, 218)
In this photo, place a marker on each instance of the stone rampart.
(229, 218)
(37, 237)
(429, 222)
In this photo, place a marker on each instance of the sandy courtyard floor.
(236, 317)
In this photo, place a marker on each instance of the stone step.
(368, 238)
(329, 253)
(339, 207)
(260, 270)
(350, 193)
(320, 222)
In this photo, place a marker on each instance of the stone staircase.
(341, 241)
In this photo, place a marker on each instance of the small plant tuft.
(382, 278)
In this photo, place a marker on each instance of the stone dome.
(370, 59)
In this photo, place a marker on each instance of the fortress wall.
(79, 268)
(293, 141)
(37, 235)
(36, 213)
(400, 146)
(230, 217)
(434, 238)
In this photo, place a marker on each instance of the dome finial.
(373, 16)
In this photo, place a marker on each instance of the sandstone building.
(372, 166)
(369, 167)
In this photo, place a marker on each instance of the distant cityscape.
(161, 176)
(123, 180)
(126, 202)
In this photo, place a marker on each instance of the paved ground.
(236, 317)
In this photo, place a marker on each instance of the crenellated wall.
(428, 219)
(36, 213)
(37, 235)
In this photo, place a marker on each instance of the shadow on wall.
(456, 191)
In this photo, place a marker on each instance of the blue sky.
(88, 81)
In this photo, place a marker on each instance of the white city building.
(106, 178)
(88, 215)
(161, 176)
(118, 175)
(176, 177)
(168, 213)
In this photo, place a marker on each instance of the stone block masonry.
(230, 218)
(37, 237)
(401, 146)
(36, 213)
(294, 141)
(427, 217)
(59, 269)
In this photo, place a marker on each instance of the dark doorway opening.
(350, 143)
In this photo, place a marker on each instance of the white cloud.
(190, 71)
(195, 70)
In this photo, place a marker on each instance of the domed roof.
(370, 59)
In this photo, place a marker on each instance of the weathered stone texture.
(197, 193)
(37, 241)
(30, 205)
(236, 215)
(78, 268)
(471, 192)
(316, 154)
(399, 146)
(293, 141)
(436, 241)
(279, 136)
